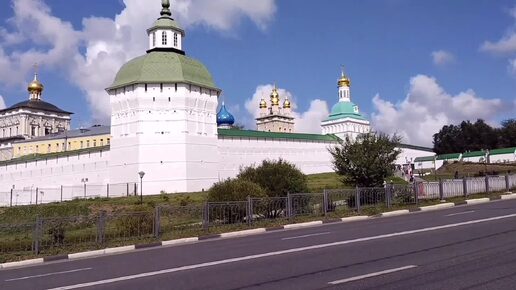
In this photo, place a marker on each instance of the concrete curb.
(243, 233)
(303, 225)
(478, 200)
(355, 218)
(395, 213)
(508, 196)
(437, 206)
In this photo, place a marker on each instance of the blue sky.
(386, 48)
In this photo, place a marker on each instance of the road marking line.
(372, 275)
(277, 253)
(459, 213)
(306, 236)
(47, 274)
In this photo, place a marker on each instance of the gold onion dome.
(35, 85)
(275, 97)
(344, 81)
(286, 104)
(263, 104)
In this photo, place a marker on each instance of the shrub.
(278, 178)
(234, 190)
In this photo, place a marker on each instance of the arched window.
(164, 38)
(154, 39)
(175, 39)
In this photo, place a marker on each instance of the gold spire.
(286, 103)
(275, 98)
(263, 104)
(35, 87)
(344, 81)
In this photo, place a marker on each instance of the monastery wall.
(309, 156)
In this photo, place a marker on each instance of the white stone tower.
(345, 119)
(163, 118)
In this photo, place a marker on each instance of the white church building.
(164, 123)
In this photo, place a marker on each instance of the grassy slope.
(466, 169)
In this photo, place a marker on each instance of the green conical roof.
(163, 67)
(166, 21)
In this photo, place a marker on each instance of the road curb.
(508, 196)
(477, 200)
(86, 254)
(437, 206)
(22, 263)
(303, 225)
(355, 218)
(243, 233)
(395, 213)
(180, 241)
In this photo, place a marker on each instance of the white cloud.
(442, 57)
(427, 108)
(2, 103)
(504, 46)
(107, 43)
(306, 122)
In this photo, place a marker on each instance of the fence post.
(357, 198)
(101, 228)
(61, 193)
(441, 189)
(206, 216)
(325, 202)
(416, 195)
(127, 189)
(11, 202)
(85, 190)
(507, 184)
(37, 235)
(465, 186)
(37, 191)
(136, 189)
(107, 190)
(487, 184)
(249, 210)
(388, 194)
(157, 221)
(289, 205)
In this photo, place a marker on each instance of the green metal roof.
(38, 157)
(272, 135)
(166, 23)
(448, 156)
(163, 67)
(343, 110)
(424, 158)
(473, 154)
(503, 151)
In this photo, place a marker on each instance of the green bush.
(234, 190)
(277, 177)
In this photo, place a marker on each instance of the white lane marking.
(306, 236)
(283, 252)
(459, 213)
(372, 275)
(48, 274)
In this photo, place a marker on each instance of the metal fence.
(34, 195)
(102, 229)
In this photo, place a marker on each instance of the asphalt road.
(467, 247)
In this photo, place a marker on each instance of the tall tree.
(368, 160)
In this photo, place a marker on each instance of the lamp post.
(141, 174)
(84, 180)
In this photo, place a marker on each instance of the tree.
(234, 190)
(508, 133)
(278, 178)
(368, 160)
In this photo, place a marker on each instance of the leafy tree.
(368, 160)
(234, 190)
(508, 133)
(278, 178)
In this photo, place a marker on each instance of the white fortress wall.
(53, 173)
(309, 156)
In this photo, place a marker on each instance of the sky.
(414, 65)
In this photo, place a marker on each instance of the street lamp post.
(141, 174)
(84, 180)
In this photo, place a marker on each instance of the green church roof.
(343, 110)
(503, 151)
(473, 154)
(448, 156)
(166, 23)
(273, 135)
(424, 159)
(163, 67)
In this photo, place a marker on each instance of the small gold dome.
(275, 98)
(286, 104)
(344, 81)
(263, 104)
(35, 86)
